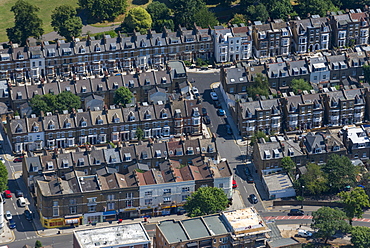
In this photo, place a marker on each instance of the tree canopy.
(161, 16)
(288, 164)
(123, 96)
(3, 177)
(185, 11)
(205, 18)
(206, 200)
(50, 103)
(101, 10)
(327, 221)
(340, 172)
(315, 7)
(65, 22)
(137, 19)
(26, 22)
(257, 12)
(360, 236)
(260, 87)
(256, 136)
(366, 69)
(279, 9)
(299, 85)
(314, 180)
(354, 202)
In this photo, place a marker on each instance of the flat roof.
(173, 231)
(130, 234)
(278, 181)
(245, 221)
(195, 228)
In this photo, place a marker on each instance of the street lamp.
(302, 197)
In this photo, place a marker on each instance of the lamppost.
(302, 197)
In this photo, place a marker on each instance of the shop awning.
(110, 213)
(72, 221)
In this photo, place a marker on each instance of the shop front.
(92, 218)
(52, 223)
(73, 220)
(109, 215)
(127, 213)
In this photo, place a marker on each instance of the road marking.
(23, 227)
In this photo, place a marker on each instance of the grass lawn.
(46, 7)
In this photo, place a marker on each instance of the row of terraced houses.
(153, 50)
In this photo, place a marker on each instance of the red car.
(7, 194)
(234, 184)
(17, 160)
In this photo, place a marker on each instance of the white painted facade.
(224, 183)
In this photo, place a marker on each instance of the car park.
(206, 120)
(220, 112)
(12, 224)
(214, 96)
(18, 193)
(204, 112)
(253, 198)
(8, 215)
(7, 194)
(28, 214)
(296, 212)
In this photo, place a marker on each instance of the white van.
(304, 233)
(21, 202)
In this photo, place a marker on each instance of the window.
(110, 197)
(148, 193)
(184, 197)
(166, 191)
(129, 195)
(72, 209)
(91, 208)
(91, 201)
(110, 206)
(221, 185)
(224, 240)
(55, 208)
(148, 202)
(72, 202)
(185, 189)
(129, 204)
(166, 199)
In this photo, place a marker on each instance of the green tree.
(101, 10)
(238, 18)
(360, 236)
(257, 12)
(260, 87)
(340, 172)
(314, 180)
(256, 136)
(366, 69)
(205, 18)
(185, 11)
(65, 22)
(299, 85)
(26, 22)
(354, 202)
(327, 221)
(38, 244)
(123, 96)
(139, 133)
(315, 7)
(3, 177)
(288, 164)
(67, 101)
(38, 105)
(206, 200)
(161, 16)
(280, 9)
(137, 19)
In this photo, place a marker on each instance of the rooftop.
(124, 235)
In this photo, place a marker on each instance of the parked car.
(181, 211)
(12, 224)
(296, 212)
(17, 160)
(253, 198)
(204, 112)
(304, 233)
(228, 130)
(206, 120)
(221, 112)
(7, 194)
(235, 185)
(8, 215)
(250, 179)
(195, 91)
(214, 96)
(28, 214)
(18, 193)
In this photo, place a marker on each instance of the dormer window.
(190, 151)
(35, 127)
(335, 148)
(116, 119)
(100, 87)
(158, 42)
(97, 48)
(131, 84)
(144, 155)
(96, 161)
(290, 152)
(158, 153)
(113, 159)
(83, 89)
(163, 80)
(51, 125)
(147, 81)
(82, 50)
(19, 95)
(210, 149)
(99, 120)
(318, 150)
(276, 153)
(113, 46)
(147, 115)
(66, 51)
(51, 52)
(81, 161)
(131, 117)
(83, 123)
(65, 163)
(196, 112)
(19, 129)
(67, 124)
(267, 154)
(142, 43)
(334, 104)
(164, 115)
(127, 157)
(20, 55)
(115, 85)
(50, 165)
